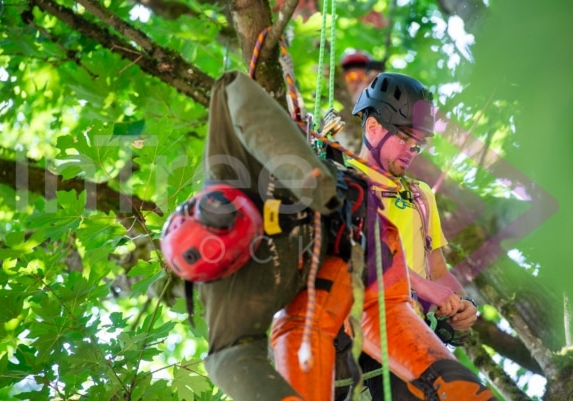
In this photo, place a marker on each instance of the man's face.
(357, 79)
(399, 150)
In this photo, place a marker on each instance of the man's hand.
(450, 307)
(465, 316)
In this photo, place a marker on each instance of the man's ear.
(372, 128)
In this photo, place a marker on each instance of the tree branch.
(154, 59)
(277, 29)
(248, 25)
(506, 345)
(495, 373)
(538, 350)
(101, 196)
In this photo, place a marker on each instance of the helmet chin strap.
(375, 150)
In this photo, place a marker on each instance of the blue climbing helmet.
(398, 100)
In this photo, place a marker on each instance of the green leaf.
(188, 384)
(180, 306)
(94, 155)
(80, 289)
(100, 230)
(118, 322)
(133, 128)
(148, 274)
(87, 356)
(68, 217)
(12, 305)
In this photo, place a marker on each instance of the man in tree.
(257, 158)
(397, 118)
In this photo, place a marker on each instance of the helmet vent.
(385, 84)
(397, 93)
(373, 84)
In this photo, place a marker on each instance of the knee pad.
(450, 380)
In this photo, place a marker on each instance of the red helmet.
(354, 58)
(212, 235)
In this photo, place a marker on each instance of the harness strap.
(421, 203)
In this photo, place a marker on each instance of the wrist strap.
(470, 299)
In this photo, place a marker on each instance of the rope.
(367, 375)
(332, 55)
(257, 51)
(297, 113)
(305, 352)
(332, 63)
(382, 314)
(320, 59)
(296, 109)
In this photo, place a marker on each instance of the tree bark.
(495, 373)
(506, 345)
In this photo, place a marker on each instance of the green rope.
(367, 375)
(382, 314)
(332, 64)
(332, 55)
(320, 60)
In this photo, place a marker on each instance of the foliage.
(89, 309)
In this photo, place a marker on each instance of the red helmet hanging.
(212, 235)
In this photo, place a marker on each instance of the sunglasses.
(354, 76)
(416, 145)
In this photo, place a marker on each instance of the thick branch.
(506, 345)
(156, 60)
(250, 18)
(22, 176)
(538, 349)
(495, 373)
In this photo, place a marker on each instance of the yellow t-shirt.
(404, 214)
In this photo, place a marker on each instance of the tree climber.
(397, 117)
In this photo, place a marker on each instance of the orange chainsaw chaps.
(412, 346)
(450, 380)
(331, 308)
